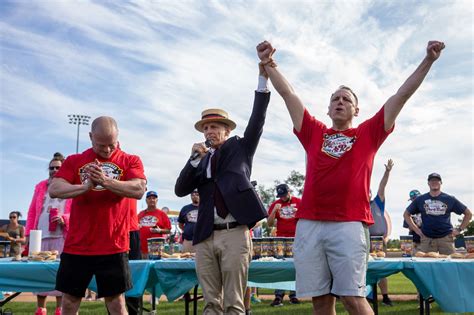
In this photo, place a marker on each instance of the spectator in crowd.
(16, 234)
(437, 233)
(283, 210)
(51, 216)
(330, 250)
(416, 219)
(166, 210)
(153, 222)
(187, 220)
(100, 180)
(381, 223)
(228, 206)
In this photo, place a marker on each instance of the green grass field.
(398, 284)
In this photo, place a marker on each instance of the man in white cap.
(437, 233)
(229, 204)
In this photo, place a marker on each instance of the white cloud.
(156, 65)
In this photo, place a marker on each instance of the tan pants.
(188, 246)
(222, 263)
(443, 245)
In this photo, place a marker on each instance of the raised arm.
(395, 103)
(384, 180)
(282, 86)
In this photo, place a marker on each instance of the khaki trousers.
(188, 246)
(222, 263)
(443, 245)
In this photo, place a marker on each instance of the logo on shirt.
(435, 207)
(149, 220)
(288, 212)
(109, 169)
(337, 144)
(417, 219)
(192, 216)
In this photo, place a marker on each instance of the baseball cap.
(282, 190)
(434, 175)
(413, 194)
(151, 193)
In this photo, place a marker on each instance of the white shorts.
(330, 257)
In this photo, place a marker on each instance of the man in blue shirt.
(187, 219)
(437, 233)
(417, 219)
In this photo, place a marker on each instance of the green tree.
(470, 229)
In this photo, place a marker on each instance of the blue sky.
(155, 65)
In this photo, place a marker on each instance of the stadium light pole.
(78, 120)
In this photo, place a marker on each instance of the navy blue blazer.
(233, 171)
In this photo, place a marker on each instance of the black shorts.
(112, 274)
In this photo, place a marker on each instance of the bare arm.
(60, 188)
(395, 103)
(159, 230)
(465, 222)
(132, 188)
(181, 226)
(282, 86)
(384, 180)
(411, 224)
(271, 217)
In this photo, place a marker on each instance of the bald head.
(104, 125)
(103, 135)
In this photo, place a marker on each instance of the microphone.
(207, 143)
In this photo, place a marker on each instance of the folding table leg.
(195, 302)
(375, 302)
(11, 297)
(422, 304)
(187, 300)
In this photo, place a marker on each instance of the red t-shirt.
(338, 170)
(100, 220)
(286, 217)
(149, 219)
(133, 215)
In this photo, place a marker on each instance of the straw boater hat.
(214, 115)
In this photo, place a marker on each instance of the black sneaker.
(387, 301)
(276, 302)
(294, 300)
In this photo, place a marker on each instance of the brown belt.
(225, 226)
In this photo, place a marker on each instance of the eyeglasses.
(52, 168)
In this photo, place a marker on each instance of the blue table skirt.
(451, 283)
(41, 276)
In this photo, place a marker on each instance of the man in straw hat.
(229, 204)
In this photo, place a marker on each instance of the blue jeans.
(281, 294)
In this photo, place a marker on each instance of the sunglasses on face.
(52, 168)
(12, 217)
